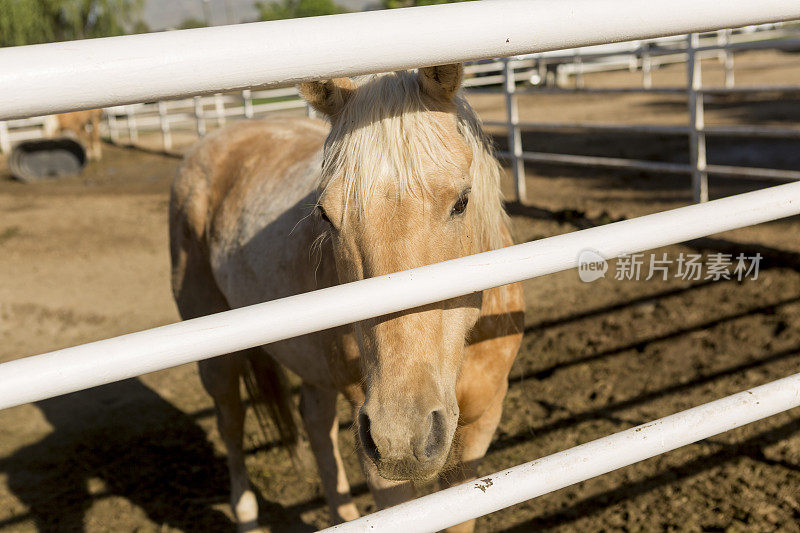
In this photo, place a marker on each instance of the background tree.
(391, 4)
(191, 22)
(41, 21)
(289, 9)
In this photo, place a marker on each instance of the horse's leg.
(474, 439)
(318, 407)
(197, 294)
(220, 377)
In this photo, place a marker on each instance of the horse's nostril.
(368, 443)
(435, 443)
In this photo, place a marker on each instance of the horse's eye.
(461, 204)
(323, 214)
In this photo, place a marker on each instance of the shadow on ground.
(124, 440)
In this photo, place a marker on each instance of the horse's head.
(407, 181)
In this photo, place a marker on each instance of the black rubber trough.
(43, 159)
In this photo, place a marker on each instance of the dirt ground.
(86, 258)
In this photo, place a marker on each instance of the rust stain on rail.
(484, 484)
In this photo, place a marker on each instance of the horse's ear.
(441, 82)
(328, 97)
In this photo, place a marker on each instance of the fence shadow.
(606, 411)
(123, 440)
(771, 257)
(641, 344)
(777, 106)
(752, 447)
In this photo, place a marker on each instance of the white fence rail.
(542, 476)
(60, 77)
(53, 78)
(124, 124)
(43, 376)
(195, 115)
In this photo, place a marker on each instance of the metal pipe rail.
(643, 90)
(660, 51)
(63, 371)
(675, 45)
(720, 130)
(752, 131)
(593, 127)
(542, 476)
(783, 44)
(53, 78)
(655, 166)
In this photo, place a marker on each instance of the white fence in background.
(15, 131)
(428, 35)
(125, 124)
(645, 56)
(196, 116)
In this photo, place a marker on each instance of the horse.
(75, 124)
(399, 175)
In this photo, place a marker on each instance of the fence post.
(247, 99)
(219, 109)
(647, 66)
(697, 137)
(200, 123)
(163, 119)
(111, 123)
(541, 68)
(726, 56)
(5, 139)
(514, 135)
(50, 126)
(133, 133)
(578, 62)
(633, 63)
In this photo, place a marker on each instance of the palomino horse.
(402, 177)
(76, 124)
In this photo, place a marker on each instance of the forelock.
(385, 132)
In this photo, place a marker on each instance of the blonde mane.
(389, 125)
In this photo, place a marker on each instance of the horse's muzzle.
(404, 448)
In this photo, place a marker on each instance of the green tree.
(41, 21)
(289, 9)
(192, 22)
(391, 4)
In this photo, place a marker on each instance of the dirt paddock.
(86, 258)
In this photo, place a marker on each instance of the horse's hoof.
(345, 513)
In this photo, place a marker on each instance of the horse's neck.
(265, 248)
